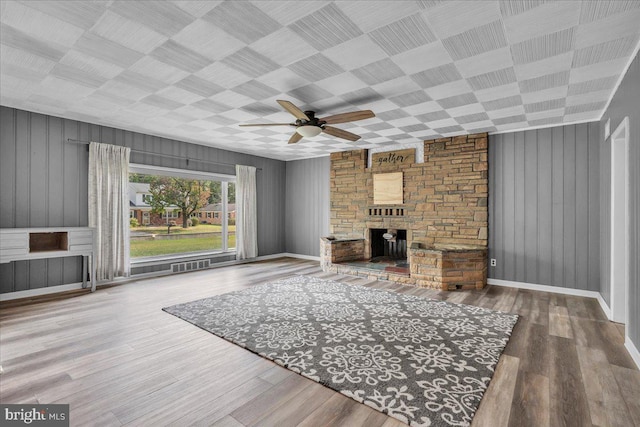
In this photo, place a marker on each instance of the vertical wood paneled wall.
(307, 202)
(625, 103)
(43, 183)
(544, 206)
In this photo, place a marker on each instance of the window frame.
(190, 174)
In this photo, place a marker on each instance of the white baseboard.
(29, 293)
(556, 290)
(633, 350)
(300, 256)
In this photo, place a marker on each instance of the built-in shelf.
(47, 242)
(23, 244)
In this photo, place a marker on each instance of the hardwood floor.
(117, 359)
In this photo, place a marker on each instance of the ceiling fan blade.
(268, 124)
(349, 117)
(295, 138)
(340, 133)
(298, 113)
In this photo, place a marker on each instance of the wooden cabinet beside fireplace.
(20, 244)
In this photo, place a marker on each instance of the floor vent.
(190, 266)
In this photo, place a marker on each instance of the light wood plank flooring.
(117, 359)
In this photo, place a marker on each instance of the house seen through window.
(171, 214)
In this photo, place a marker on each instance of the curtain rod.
(80, 142)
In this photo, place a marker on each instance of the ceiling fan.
(308, 125)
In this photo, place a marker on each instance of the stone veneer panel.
(445, 197)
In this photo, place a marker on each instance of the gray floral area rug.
(422, 361)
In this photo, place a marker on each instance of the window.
(132, 214)
(175, 198)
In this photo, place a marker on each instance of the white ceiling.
(195, 70)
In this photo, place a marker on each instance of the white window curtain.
(109, 209)
(246, 213)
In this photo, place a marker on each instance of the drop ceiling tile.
(378, 72)
(498, 92)
(25, 60)
(76, 75)
(39, 25)
(199, 86)
(196, 8)
(546, 114)
(428, 56)
(554, 64)
(500, 103)
(403, 35)
(153, 68)
(128, 33)
(384, 13)
(109, 51)
(284, 47)
(457, 87)
(316, 67)
(124, 90)
(364, 96)
(425, 107)
(81, 14)
(485, 62)
(547, 18)
(506, 112)
(208, 40)
(545, 121)
(283, 12)
(326, 27)
(91, 65)
(454, 17)
(551, 104)
(598, 10)
(283, 80)
(476, 41)
(594, 107)
(164, 17)
(354, 53)
(342, 83)
(16, 39)
(396, 86)
(232, 99)
(588, 98)
(545, 82)
(542, 47)
(466, 109)
(472, 118)
(521, 118)
(179, 95)
(437, 76)
(250, 62)
(610, 28)
(309, 93)
(598, 70)
(254, 89)
(441, 123)
(516, 7)
(445, 131)
(493, 79)
(194, 111)
(433, 116)
(458, 100)
(606, 51)
(243, 20)
(604, 83)
(542, 95)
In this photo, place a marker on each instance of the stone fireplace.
(431, 213)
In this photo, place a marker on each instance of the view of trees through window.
(173, 215)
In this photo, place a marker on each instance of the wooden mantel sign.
(392, 159)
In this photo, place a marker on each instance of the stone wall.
(445, 198)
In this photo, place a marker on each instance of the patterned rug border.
(325, 383)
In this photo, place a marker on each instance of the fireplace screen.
(388, 242)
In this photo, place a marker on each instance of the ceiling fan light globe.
(309, 131)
